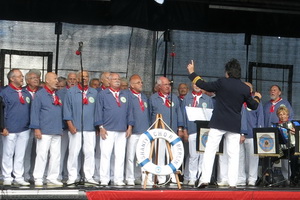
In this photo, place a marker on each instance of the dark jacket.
(231, 93)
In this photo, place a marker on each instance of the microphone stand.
(82, 91)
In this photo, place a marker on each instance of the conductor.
(231, 93)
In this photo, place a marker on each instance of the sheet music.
(196, 113)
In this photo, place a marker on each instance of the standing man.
(271, 118)
(162, 102)
(183, 90)
(196, 98)
(16, 130)
(124, 84)
(113, 117)
(248, 166)
(104, 83)
(142, 123)
(46, 120)
(32, 79)
(94, 83)
(71, 80)
(79, 106)
(62, 83)
(271, 106)
(231, 93)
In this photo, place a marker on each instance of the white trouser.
(1, 153)
(130, 156)
(97, 159)
(48, 143)
(195, 158)
(248, 166)
(29, 154)
(63, 171)
(14, 146)
(285, 170)
(162, 155)
(116, 140)
(86, 140)
(233, 151)
(223, 165)
(186, 160)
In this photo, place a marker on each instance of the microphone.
(78, 52)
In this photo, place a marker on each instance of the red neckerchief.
(19, 91)
(140, 99)
(55, 97)
(68, 87)
(84, 99)
(103, 87)
(167, 101)
(195, 94)
(31, 91)
(245, 105)
(181, 97)
(115, 92)
(272, 108)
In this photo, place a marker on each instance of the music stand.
(266, 144)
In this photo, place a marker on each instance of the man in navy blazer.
(231, 93)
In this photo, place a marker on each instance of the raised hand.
(191, 67)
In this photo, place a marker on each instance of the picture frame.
(297, 140)
(266, 142)
(202, 135)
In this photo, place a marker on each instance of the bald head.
(136, 83)
(51, 80)
(104, 79)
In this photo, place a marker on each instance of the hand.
(185, 136)
(103, 133)
(257, 94)
(190, 67)
(292, 131)
(5, 132)
(242, 139)
(128, 131)
(38, 134)
(71, 127)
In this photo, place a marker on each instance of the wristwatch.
(242, 134)
(101, 126)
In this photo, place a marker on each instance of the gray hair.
(33, 71)
(11, 73)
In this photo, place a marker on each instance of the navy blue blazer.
(231, 93)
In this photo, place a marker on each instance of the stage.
(158, 193)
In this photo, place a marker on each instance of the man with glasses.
(167, 104)
(113, 117)
(142, 122)
(32, 79)
(16, 128)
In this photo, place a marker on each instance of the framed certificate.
(266, 141)
(202, 135)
